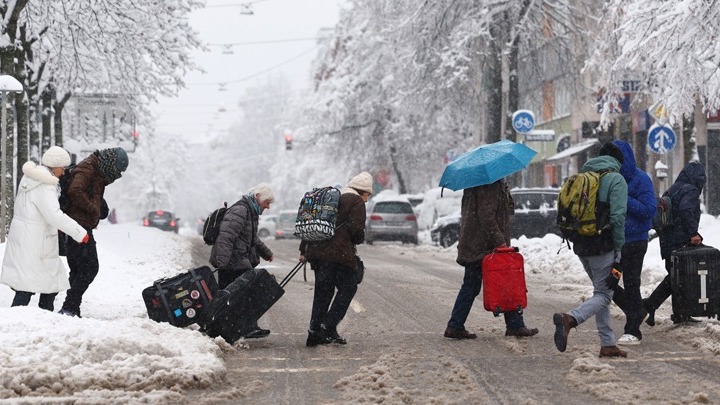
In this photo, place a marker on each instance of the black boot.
(316, 338)
(650, 312)
(333, 336)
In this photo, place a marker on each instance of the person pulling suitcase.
(335, 263)
(238, 247)
(685, 197)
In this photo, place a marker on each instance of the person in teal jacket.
(600, 256)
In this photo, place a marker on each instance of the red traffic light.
(288, 142)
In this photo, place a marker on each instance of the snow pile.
(114, 352)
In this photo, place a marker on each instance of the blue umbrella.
(486, 164)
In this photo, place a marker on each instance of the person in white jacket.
(32, 263)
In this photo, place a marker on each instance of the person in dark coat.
(334, 262)
(685, 197)
(238, 247)
(86, 205)
(641, 207)
(485, 213)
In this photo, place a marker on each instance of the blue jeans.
(472, 283)
(598, 269)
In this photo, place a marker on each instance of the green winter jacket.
(613, 189)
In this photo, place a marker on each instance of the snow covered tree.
(671, 46)
(404, 83)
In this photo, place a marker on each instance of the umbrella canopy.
(486, 164)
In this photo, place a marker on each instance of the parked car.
(267, 225)
(161, 219)
(390, 217)
(535, 216)
(437, 203)
(285, 224)
(414, 199)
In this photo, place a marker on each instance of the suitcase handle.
(291, 274)
(508, 249)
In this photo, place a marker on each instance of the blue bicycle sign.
(661, 139)
(523, 121)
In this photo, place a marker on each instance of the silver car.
(391, 219)
(285, 224)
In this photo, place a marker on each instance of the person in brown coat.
(484, 226)
(87, 182)
(334, 262)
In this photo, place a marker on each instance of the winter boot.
(563, 324)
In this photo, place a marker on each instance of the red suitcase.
(503, 273)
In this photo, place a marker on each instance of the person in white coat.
(32, 263)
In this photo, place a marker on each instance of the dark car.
(535, 216)
(164, 220)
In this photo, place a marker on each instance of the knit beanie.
(362, 182)
(610, 149)
(113, 162)
(56, 156)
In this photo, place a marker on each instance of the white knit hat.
(56, 157)
(362, 182)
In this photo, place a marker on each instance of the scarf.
(254, 204)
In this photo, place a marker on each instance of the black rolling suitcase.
(695, 281)
(236, 309)
(180, 300)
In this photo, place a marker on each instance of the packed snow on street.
(115, 354)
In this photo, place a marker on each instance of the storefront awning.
(574, 150)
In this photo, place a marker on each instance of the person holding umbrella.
(485, 210)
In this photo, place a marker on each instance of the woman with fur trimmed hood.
(32, 263)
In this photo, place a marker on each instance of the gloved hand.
(614, 278)
(86, 239)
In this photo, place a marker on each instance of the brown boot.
(563, 324)
(612, 351)
(459, 334)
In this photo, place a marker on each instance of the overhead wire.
(254, 75)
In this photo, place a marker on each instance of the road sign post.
(523, 121)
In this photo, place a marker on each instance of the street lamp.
(7, 84)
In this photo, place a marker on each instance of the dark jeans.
(329, 277)
(82, 259)
(629, 298)
(663, 290)
(22, 299)
(472, 282)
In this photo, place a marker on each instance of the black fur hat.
(610, 149)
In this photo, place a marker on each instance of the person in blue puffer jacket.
(641, 206)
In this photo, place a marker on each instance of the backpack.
(211, 227)
(317, 214)
(663, 214)
(580, 213)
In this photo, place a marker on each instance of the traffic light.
(135, 136)
(288, 142)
